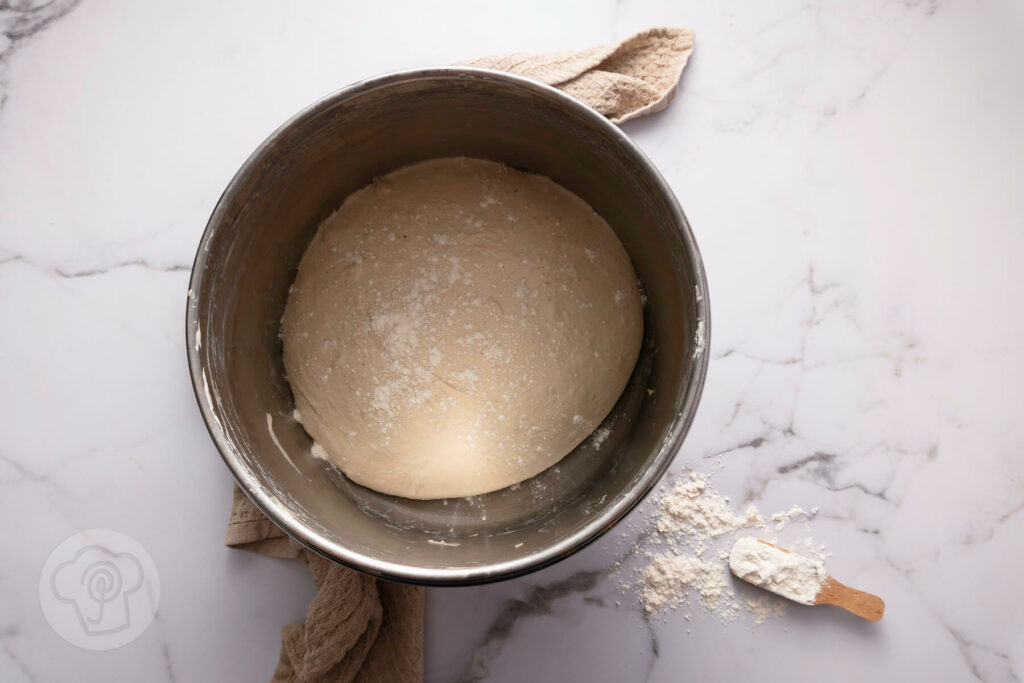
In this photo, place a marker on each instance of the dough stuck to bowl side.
(457, 327)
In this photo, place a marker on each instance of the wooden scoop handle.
(864, 605)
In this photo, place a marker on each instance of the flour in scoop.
(787, 574)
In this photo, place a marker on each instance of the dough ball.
(457, 327)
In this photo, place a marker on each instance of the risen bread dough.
(457, 327)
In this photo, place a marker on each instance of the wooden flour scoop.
(801, 579)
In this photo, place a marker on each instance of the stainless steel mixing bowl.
(247, 259)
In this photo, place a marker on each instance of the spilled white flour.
(694, 527)
(599, 436)
(316, 450)
(690, 511)
(669, 578)
(790, 575)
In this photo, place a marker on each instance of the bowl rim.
(268, 504)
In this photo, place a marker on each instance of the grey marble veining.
(19, 21)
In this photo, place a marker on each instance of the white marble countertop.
(852, 172)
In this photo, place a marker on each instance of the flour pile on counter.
(692, 523)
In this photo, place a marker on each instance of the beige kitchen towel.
(358, 628)
(622, 81)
